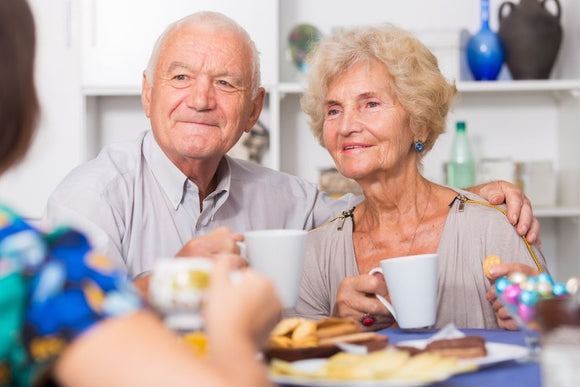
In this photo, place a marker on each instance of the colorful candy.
(511, 294)
(521, 293)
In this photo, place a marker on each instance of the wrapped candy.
(521, 293)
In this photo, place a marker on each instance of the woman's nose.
(351, 122)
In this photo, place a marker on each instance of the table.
(509, 374)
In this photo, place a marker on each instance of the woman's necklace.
(416, 227)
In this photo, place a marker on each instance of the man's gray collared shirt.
(136, 205)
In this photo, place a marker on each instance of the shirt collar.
(171, 179)
(224, 174)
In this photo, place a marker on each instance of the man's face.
(201, 99)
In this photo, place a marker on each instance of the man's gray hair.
(214, 21)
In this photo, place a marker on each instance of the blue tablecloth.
(509, 374)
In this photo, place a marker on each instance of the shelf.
(571, 85)
(557, 212)
(110, 91)
(290, 87)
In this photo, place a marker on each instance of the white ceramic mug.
(412, 284)
(279, 254)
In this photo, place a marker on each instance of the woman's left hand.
(356, 298)
(503, 317)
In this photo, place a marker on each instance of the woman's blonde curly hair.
(417, 82)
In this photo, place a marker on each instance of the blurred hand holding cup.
(278, 254)
(178, 290)
(412, 285)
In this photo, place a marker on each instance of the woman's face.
(366, 130)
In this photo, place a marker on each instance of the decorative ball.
(572, 285)
(532, 286)
(529, 297)
(517, 277)
(500, 284)
(526, 313)
(559, 289)
(512, 293)
(301, 39)
(545, 289)
(545, 277)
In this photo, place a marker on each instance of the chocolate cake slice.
(463, 348)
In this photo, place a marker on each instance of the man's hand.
(504, 319)
(220, 241)
(519, 207)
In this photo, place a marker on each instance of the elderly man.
(149, 198)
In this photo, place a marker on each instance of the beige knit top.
(468, 237)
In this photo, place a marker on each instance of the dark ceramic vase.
(532, 36)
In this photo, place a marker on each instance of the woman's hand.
(222, 242)
(504, 320)
(240, 304)
(356, 296)
(519, 207)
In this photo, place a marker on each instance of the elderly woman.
(378, 102)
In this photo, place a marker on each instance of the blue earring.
(419, 146)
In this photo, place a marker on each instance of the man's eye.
(372, 104)
(332, 112)
(180, 77)
(221, 82)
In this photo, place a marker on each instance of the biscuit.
(490, 260)
(305, 329)
(286, 326)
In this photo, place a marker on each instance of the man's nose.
(201, 94)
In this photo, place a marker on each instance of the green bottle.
(461, 166)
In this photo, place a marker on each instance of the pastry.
(462, 348)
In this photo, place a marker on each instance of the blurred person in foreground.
(69, 317)
(378, 102)
(141, 200)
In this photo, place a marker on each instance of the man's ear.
(257, 105)
(146, 95)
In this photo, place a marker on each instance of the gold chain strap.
(464, 200)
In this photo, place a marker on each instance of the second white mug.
(412, 284)
(279, 254)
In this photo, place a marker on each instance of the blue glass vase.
(485, 51)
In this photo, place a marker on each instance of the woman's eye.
(372, 104)
(332, 112)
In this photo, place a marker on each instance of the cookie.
(490, 260)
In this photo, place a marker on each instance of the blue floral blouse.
(52, 288)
